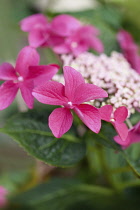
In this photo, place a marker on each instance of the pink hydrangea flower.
(117, 119)
(133, 137)
(43, 33)
(37, 25)
(129, 48)
(3, 199)
(64, 34)
(80, 41)
(70, 97)
(26, 75)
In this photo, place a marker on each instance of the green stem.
(98, 164)
(105, 168)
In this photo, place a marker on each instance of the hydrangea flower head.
(26, 75)
(71, 97)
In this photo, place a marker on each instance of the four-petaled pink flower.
(80, 41)
(37, 25)
(130, 49)
(117, 119)
(70, 97)
(3, 199)
(25, 76)
(133, 137)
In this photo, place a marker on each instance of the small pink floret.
(133, 137)
(119, 116)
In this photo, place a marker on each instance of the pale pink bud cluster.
(113, 74)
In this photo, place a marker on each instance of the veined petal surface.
(50, 93)
(90, 116)
(8, 91)
(60, 121)
(28, 56)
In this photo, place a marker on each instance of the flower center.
(69, 105)
(74, 44)
(20, 79)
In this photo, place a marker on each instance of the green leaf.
(38, 141)
(64, 194)
(132, 156)
(105, 136)
(69, 194)
(129, 157)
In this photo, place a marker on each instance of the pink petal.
(50, 93)
(132, 56)
(133, 137)
(88, 29)
(121, 114)
(87, 92)
(72, 80)
(81, 47)
(134, 133)
(90, 116)
(125, 39)
(105, 112)
(37, 37)
(7, 72)
(60, 121)
(26, 89)
(37, 20)
(55, 40)
(125, 143)
(121, 129)
(42, 73)
(65, 25)
(28, 56)
(61, 49)
(96, 44)
(8, 91)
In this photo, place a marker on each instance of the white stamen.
(70, 103)
(20, 79)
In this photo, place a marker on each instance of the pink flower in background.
(70, 97)
(133, 137)
(3, 199)
(64, 34)
(25, 76)
(65, 25)
(80, 41)
(38, 27)
(43, 33)
(117, 119)
(129, 48)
